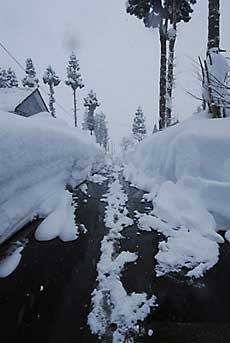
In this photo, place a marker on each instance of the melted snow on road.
(115, 313)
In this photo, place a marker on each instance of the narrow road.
(48, 298)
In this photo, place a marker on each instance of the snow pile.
(38, 159)
(186, 170)
(116, 313)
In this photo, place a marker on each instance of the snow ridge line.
(115, 314)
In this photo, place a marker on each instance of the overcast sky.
(119, 57)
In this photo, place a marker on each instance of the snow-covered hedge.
(186, 170)
(39, 156)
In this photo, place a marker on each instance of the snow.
(39, 159)
(112, 306)
(60, 223)
(84, 188)
(10, 98)
(171, 33)
(186, 170)
(150, 332)
(97, 178)
(218, 70)
(10, 262)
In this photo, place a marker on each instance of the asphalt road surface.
(48, 297)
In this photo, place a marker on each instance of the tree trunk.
(52, 101)
(170, 77)
(163, 72)
(75, 107)
(213, 24)
(213, 42)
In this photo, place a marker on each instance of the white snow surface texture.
(111, 303)
(186, 170)
(39, 156)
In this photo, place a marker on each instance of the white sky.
(119, 57)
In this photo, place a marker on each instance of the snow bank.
(39, 156)
(186, 170)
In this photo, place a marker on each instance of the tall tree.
(152, 14)
(101, 130)
(213, 24)
(30, 80)
(52, 80)
(91, 103)
(139, 128)
(161, 14)
(74, 80)
(215, 69)
(176, 11)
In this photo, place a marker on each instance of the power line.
(15, 60)
(21, 66)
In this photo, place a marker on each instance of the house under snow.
(22, 101)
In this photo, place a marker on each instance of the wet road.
(47, 298)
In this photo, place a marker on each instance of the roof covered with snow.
(10, 98)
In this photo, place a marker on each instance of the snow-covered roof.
(10, 98)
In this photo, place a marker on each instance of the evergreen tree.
(139, 129)
(74, 80)
(8, 78)
(3, 78)
(106, 139)
(160, 14)
(153, 15)
(101, 130)
(11, 78)
(91, 103)
(155, 128)
(30, 79)
(52, 80)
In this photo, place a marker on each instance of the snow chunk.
(97, 178)
(60, 223)
(84, 188)
(10, 263)
(150, 332)
(187, 249)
